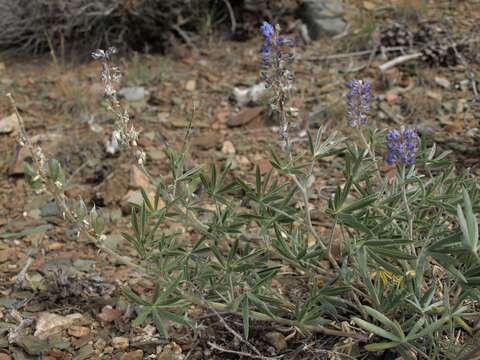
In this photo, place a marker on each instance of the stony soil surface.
(71, 307)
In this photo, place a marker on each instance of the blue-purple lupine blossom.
(401, 146)
(267, 30)
(277, 59)
(359, 100)
(275, 49)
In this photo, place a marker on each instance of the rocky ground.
(71, 307)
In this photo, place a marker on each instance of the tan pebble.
(78, 331)
(228, 148)
(133, 355)
(120, 342)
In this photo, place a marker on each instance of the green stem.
(308, 221)
(407, 208)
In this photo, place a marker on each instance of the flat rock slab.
(245, 116)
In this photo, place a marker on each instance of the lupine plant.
(398, 270)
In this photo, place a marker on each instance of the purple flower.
(276, 52)
(267, 31)
(359, 99)
(401, 146)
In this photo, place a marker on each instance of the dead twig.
(232, 15)
(22, 275)
(370, 52)
(399, 60)
(15, 331)
(236, 334)
(468, 70)
(184, 36)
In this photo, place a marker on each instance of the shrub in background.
(142, 25)
(405, 278)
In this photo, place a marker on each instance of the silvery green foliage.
(410, 283)
(400, 261)
(398, 266)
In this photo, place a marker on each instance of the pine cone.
(396, 35)
(424, 34)
(438, 53)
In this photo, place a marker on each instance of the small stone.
(191, 85)
(448, 106)
(78, 331)
(251, 95)
(179, 122)
(100, 344)
(155, 154)
(442, 82)
(133, 355)
(435, 95)
(460, 108)
(9, 125)
(228, 148)
(277, 340)
(5, 357)
(136, 93)
(84, 353)
(49, 323)
(33, 345)
(171, 351)
(139, 180)
(120, 342)
(82, 341)
(391, 97)
(50, 210)
(132, 197)
(243, 161)
(207, 140)
(464, 85)
(368, 5)
(56, 354)
(109, 314)
(245, 116)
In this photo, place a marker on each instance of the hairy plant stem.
(371, 152)
(308, 221)
(60, 198)
(407, 209)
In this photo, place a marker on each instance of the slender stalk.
(370, 150)
(60, 199)
(407, 208)
(308, 221)
(263, 317)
